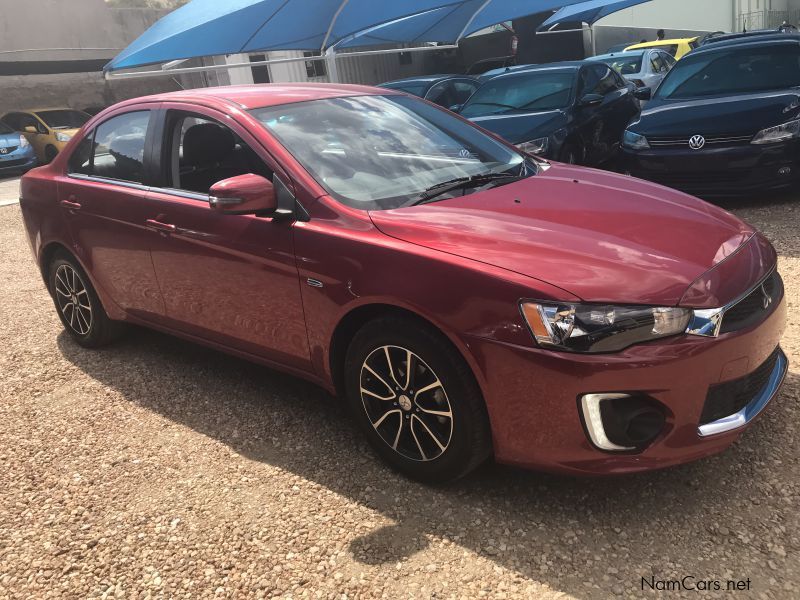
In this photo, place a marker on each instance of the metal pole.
(330, 63)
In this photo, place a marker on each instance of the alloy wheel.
(73, 299)
(406, 403)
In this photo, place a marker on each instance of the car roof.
(625, 54)
(425, 79)
(564, 67)
(756, 41)
(262, 95)
(657, 43)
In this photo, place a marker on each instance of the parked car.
(502, 71)
(724, 122)
(466, 299)
(677, 48)
(721, 36)
(574, 112)
(491, 64)
(444, 90)
(48, 130)
(643, 68)
(16, 154)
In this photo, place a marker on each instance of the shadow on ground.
(606, 531)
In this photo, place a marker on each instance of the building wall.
(704, 15)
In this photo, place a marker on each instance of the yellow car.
(678, 48)
(48, 130)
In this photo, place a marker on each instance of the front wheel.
(416, 400)
(78, 306)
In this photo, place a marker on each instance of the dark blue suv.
(725, 121)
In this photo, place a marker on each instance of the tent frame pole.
(161, 72)
(331, 66)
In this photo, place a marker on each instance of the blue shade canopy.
(588, 11)
(213, 27)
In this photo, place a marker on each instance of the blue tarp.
(212, 27)
(588, 12)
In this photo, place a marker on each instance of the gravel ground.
(156, 468)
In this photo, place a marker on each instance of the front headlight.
(781, 133)
(597, 328)
(23, 142)
(537, 146)
(634, 141)
(63, 137)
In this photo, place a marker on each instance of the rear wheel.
(416, 400)
(78, 306)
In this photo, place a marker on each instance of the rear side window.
(115, 150)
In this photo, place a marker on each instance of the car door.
(103, 199)
(229, 279)
(598, 124)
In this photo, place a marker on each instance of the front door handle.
(71, 204)
(159, 226)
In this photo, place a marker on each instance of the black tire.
(86, 321)
(465, 435)
(50, 154)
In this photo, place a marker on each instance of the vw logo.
(464, 153)
(767, 299)
(3, 150)
(696, 142)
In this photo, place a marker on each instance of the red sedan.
(467, 300)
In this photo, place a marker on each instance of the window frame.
(148, 141)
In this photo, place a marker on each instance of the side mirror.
(590, 100)
(456, 108)
(244, 195)
(30, 129)
(644, 93)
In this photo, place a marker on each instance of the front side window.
(115, 150)
(64, 119)
(205, 152)
(733, 71)
(523, 92)
(383, 152)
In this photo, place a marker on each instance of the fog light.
(621, 422)
(785, 171)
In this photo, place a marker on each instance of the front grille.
(681, 141)
(755, 306)
(703, 178)
(12, 163)
(8, 150)
(729, 398)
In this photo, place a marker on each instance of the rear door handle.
(159, 226)
(71, 204)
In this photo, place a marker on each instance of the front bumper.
(532, 396)
(17, 162)
(718, 172)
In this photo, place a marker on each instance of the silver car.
(645, 68)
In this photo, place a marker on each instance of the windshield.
(382, 152)
(5, 129)
(64, 119)
(624, 65)
(735, 71)
(535, 91)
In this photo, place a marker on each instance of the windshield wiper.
(440, 189)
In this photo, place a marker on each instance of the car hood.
(599, 236)
(719, 115)
(523, 127)
(7, 140)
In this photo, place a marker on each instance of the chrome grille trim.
(680, 141)
(708, 322)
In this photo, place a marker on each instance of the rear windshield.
(64, 119)
(415, 89)
(624, 65)
(734, 71)
(528, 92)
